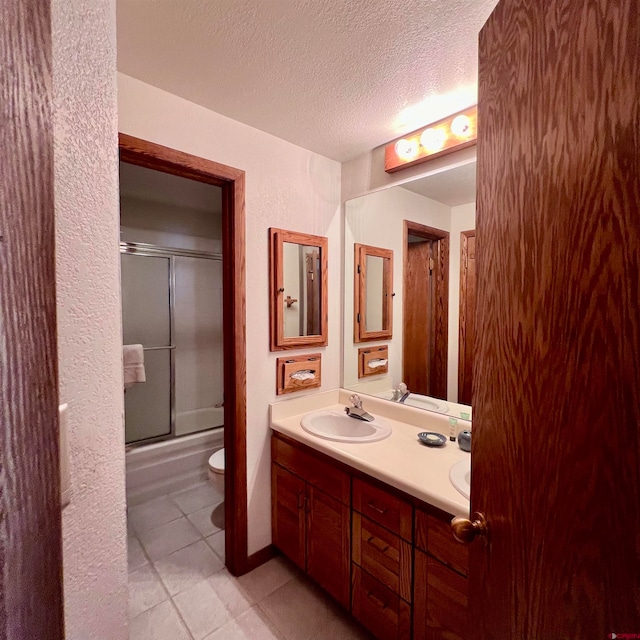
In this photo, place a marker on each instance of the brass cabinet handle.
(466, 531)
(375, 508)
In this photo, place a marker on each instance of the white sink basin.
(333, 424)
(460, 476)
(430, 404)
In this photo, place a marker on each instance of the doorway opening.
(230, 181)
(426, 309)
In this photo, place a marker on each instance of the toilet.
(216, 470)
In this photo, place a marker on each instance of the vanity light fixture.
(452, 133)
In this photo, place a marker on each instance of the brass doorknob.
(465, 530)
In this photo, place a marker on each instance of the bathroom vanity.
(369, 522)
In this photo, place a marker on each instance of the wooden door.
(30, 525)
(328, 543)
(466, 342)
(288, 514)
(556, 455)
(417, 319)
(425, 311)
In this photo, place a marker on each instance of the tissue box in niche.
(296, 373)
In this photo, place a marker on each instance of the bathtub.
(199, 420)
(156, 469)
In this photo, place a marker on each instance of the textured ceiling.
(338, 77)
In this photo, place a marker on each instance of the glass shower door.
(146, 320)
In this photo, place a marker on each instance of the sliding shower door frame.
(148, 250)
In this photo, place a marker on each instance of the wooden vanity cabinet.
(311, 517)
(387, 557)
(440, 583)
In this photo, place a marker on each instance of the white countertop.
(400, 460)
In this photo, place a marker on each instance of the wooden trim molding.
(31, 590)
(232, 181)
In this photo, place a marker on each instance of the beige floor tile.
(230, 631)
(264, 580)
(299, 609)
(216, 542)
(202, 521)
(185, 568)
(166, 539)
(145, 590)
(196, 498)
(153, 514)
(160, 623)
(202, 610)
(256, 626)
(135, 554)
(228, 589)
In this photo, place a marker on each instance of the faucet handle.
(355, 401)
(402, 387)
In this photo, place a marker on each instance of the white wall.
(377, 220)
(286, 187)
(89, 336)
(463, 218)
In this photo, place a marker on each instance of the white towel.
(133, 363)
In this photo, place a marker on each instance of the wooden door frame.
(440, 310)
(31, 589)
(232, 182)
(462, 323)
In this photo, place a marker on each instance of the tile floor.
(179, 588)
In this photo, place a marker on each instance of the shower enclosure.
(172, 305)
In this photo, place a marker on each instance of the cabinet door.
(287, 514)
(439, 601)
(328, 543)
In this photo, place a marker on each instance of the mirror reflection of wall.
(445, 201)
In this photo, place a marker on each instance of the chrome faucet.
(400, 393)
(356, 411)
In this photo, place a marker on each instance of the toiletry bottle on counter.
(453, 429)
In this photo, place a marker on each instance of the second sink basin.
(460, 476)
(333, 424)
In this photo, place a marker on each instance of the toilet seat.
(216, 462)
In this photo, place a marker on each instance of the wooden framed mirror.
(297, 290)
(373, 293)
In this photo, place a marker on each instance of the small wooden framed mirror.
(297, 290)
(373, 293)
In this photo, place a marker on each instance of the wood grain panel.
(315, 468)
(557, 373)
(155, 156)
(30, 535)
(433, 535)
(467, 330)
(384, 555)
(288, 514)
(383, 612)
(329, 544)
(383, 507)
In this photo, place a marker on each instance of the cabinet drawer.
(384, 555)
(383, 507)
(319, 473)
(433, 535)
(383, 612)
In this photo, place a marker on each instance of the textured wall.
(287, 187)
(86, 198)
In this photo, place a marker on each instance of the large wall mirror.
(298, 289)
(428, 225)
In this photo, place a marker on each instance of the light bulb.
(433, 139)
(406, 149)
(461, 126)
